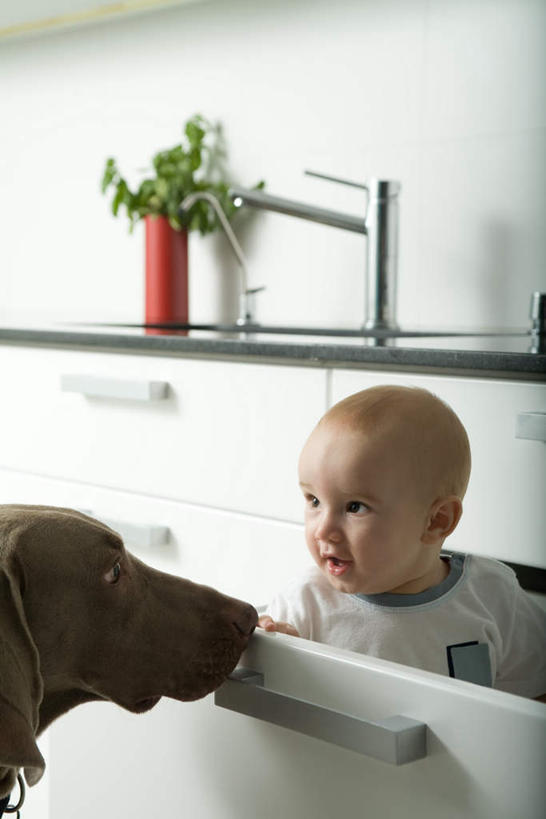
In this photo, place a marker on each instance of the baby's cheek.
(311, 544)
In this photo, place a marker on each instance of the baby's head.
(384, 473)
(425, 435)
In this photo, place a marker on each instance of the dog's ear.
(21, 690)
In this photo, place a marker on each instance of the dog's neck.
(56, 703)
(62, 688)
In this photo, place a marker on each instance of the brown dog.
(82, 619)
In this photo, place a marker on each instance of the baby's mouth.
(336, 566)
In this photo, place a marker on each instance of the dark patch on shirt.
(470, 662)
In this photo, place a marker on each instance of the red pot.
(166, 272)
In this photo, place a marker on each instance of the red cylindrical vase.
(166, 298)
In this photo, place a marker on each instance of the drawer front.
(504, 509)
(241, 555)
(199, 759)
(484, 749)
(226, 435)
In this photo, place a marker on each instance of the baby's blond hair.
(423, 428)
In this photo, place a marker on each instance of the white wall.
(447, 96)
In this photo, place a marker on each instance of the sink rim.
(332, 332)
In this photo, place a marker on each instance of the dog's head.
(83, 619)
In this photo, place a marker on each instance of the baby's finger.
(286, 628)
(266, 622)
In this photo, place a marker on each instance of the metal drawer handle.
(141, 536)
(531, 425)
(396, 739)
(97, 387)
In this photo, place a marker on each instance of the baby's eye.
(312, 500)
(356, 507)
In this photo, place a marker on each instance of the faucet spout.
(190, 201)
(379, 225)
(247, 297)
(265, 201)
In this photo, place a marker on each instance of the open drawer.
(484, 749)
(462, 750)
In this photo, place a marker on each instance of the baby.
(383, 475)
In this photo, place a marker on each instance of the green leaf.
(118, 199)
(109, 174)
(194, 130)
(162, 188)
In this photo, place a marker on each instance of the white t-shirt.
(477, 625)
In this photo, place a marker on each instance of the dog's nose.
(245, 619)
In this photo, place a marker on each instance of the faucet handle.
(377, 189)
(336, 179)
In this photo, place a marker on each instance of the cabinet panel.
(226, 435)
(504, 509)
(241, 555)
(197, 759)
(484, 750)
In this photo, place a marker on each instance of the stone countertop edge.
(474, 362)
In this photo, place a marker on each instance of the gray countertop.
(503, 355)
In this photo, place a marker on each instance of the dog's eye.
(113, 575)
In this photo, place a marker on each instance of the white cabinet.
(244, 556)
(484, 749)
(504, 510)
(225, 435)
(209, 462)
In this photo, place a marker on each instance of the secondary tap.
(247, 296)
(379, 224)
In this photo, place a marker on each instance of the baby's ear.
(443, 517)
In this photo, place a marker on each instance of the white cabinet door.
(484, 749)
(504, 509)
(226, 435)
(241, 555)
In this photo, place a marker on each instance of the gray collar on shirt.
(456, 567)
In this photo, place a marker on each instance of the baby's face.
(363, 514)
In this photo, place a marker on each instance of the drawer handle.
(97, 387)
(396, 739)
(531, 426)
(141, 536)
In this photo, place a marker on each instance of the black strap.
(5, 807)
(3, 804)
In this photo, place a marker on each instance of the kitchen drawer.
(225, 435)
(241, 555)
(504, 509)
(484, 749)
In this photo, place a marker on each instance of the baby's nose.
(328, 529)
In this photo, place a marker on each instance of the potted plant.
(195, 164)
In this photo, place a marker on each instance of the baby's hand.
(268, 624)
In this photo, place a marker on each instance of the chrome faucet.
(379, 224)
(247, 296)
(537, 314)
